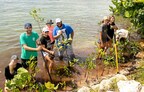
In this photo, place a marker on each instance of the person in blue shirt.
(63, 33)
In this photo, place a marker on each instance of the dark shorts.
(24, 62)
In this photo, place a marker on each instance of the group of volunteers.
(31, 43)
(54, 36)
(106, 36)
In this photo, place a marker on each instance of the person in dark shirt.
(47, 49)
(112, 28)
(12, 68)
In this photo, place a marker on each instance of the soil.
(81, 76)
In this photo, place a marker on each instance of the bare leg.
(50, 63)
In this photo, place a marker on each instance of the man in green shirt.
(28, 41)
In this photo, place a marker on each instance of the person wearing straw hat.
(50, 27)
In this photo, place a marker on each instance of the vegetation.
(138, 73)
(35, 13)
(132, 10)
(25, 80)
(1, 90)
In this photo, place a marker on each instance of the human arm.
(26, 43)
(45, 43)
(113, 26)
(57, 35)
(72, 34)
(7, 73)
(30, 48)
(101, 41)
(46, 50)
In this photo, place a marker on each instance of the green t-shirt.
(29, 41)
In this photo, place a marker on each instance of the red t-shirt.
(50, 33)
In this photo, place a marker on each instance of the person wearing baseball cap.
(64, 31)
(46, 49)
(28, 41)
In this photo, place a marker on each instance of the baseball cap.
(58, 20)
(45, 29)
(27, 25)
(14, 57)
(105, 18)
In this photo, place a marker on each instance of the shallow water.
(82, 15)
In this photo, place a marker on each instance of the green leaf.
(49, 85)
(127, 14)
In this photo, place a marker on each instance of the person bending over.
(12, 68)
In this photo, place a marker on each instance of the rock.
(105, 85)
(129, 86)
(140, 55)
(124, 72)
(142, 89)
(95, 87)
(84, 89)
(118, 77)
(142, 44)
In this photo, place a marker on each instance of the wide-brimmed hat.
(49, 22)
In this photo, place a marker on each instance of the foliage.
(25, 80)
(51, 86)
(35, 14)
(128, 49)
(64, 43)
(1, 90)
(132, 10)
(20, 81)
(63, 71)
(138, 73)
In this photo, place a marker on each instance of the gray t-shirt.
(104, 33)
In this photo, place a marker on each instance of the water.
(82, 15)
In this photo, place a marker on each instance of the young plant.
(1, 90)
(35, 14)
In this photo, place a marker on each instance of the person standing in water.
(50, 27)
(63, 32)
(46, 49)
(28, 41)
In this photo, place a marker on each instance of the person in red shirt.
(50, 27)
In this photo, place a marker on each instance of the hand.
(59, 32)
(102, 45)
(39, 48)
(51, 52)
(70, 40)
